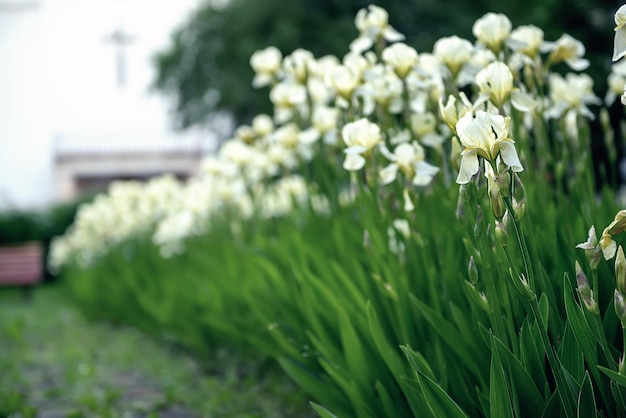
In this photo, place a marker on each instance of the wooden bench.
(21, 264)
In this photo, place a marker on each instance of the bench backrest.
(21, 264)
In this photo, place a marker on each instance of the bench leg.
(27, 292)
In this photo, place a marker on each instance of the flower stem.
(521, 241)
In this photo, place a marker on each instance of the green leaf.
(362, 404)
(618, 394)
(439, 402)
(418, 362)
(354, 353)
(531, 354)
(527, 391)
(389, 406)
(616, 377)
(500, 404)
(470, 356)
(586, 400)
(571, 356)
(322, 412)
(391, 357)
(351, 291)
(463, 323)
(579, 326)
(553, 406)
(313, 384)
(544, 310)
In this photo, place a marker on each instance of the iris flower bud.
(585, 292)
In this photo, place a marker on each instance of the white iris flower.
(485, 135)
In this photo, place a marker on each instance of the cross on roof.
(120, 39)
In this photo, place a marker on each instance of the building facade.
(76, 109)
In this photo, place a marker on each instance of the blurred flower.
(424, 126)
(568, 49)
(528, 40)
(383, 87)
(616, 82)
(408, 158)
(570, 97)
(452, 111)
(492, 30)
(401, 57)
(344, 80)
(373, 24)
(453, 52)
(399, 226)
(266, 64)
(296, 65)
(263, 125)
(287, 97)
(360, 137)
(496, 84)
(619, 46)
(324, 125)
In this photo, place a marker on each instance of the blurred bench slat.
(21, 264)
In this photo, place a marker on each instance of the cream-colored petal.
(619, 45)
(388, 174)
(468, 168)
(424, 173)
(578, 64)
(309, 136)
(522, 101)
(509, 155)
(392, 35)
(360, 44)
(608, 246)
(353, 162)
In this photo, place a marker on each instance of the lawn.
(56, 363)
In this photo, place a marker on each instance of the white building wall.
(25, 149)
(58, 75)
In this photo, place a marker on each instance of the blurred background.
(75, 107)
(97, 90)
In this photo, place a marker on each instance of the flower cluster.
(401, 119)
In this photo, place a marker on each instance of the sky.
(59, 76)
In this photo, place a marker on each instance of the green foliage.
(374, 320)
(367, 332)
(55, 362)
(206, 67)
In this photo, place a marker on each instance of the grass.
(56, 363)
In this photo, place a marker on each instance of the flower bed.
(405, 234)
